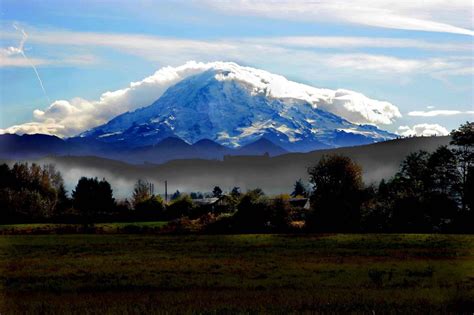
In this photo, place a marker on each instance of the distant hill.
(259, 146)
(171, 148)
(273, 174)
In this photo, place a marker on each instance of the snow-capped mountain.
(234, 106)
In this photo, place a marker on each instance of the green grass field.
(51, 228)
(236, 273)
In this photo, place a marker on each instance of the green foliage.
(252, 213)
(443, 174)
(141, 193)
(336, 196)
(463, 139)
(92, 197)
(279, 210)
(180, 206)
(464, 135)
(152, 205)
(31, 192)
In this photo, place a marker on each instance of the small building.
(214, 204)
(205, 201)
(225, 201)
(302, 203)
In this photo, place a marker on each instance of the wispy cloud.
(351, 42)
(17, 61)
(21, 51)
(383, 63)
(69, 60)
(295, 51)
(441, 112)
(431, 16)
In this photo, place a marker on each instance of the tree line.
(431, 192)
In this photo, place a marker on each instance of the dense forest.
(431, 192)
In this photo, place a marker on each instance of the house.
(221, 204)
(302, 203)
(205, 201)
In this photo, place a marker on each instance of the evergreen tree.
(93, 197)
(235, 192)
(176, 195)
(217, 192)
(443, 175)
(299, 189)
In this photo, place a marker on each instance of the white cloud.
(68, 118)
(350, 42)
(12, 56)
(423, 130)
(18, 61)
(46, 127)
(433, 16)
(296, 52)
(358, 108)
(434, 113)
(388, 64)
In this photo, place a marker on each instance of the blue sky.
(413, 54)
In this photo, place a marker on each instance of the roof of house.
(205, 201)
(300, 202)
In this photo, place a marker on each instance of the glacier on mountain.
(235, 105)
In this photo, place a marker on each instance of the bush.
(150, 209)
(252, 212)
(180, 207)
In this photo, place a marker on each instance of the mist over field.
(274, 175)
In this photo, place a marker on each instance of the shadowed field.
(236, 273)
(98, 228)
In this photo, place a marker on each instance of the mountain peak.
(233, 106)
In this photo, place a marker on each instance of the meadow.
(98, 228)
(128, 273)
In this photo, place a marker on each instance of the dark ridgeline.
(16, 147)
(431, 192)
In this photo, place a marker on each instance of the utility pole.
(166, 191)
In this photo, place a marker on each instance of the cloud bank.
(430, 16)
(423, 130)
(67, 118)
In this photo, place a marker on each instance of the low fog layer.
(273, 174)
